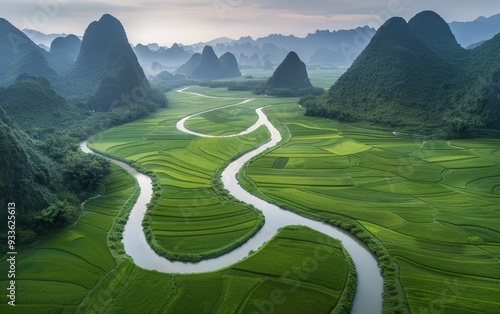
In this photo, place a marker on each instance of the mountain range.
(101, 71)
(415, 76)
(18, 55)
(51, 100)
(40, 38)
(207, 66)
(332, 48)
(477, 31)
(168, 57)
(107, 68)
(323, 47)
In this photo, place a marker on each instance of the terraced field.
(435, 205)
(298, 284)
(58, 273)
(194, 219)
(78, 271)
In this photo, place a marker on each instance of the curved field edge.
(63, 269)
(156, 198)
(394, 297)
(319, 269)
(466, 213)
(218, 189)
(160, 191)
(267, 281)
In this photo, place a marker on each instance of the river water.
(368, 297)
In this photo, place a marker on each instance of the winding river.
(368, 297)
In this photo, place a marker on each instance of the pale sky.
(193, 21)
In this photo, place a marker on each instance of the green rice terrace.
(193, 219)
(83, 270)
(433, 204)
(427, 208)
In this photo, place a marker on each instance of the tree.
(85, 172)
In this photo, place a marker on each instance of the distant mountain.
(170, 57)
(44, 47)
(207, 66)
(63, 52)
(221, 40)
(188, 68)
(468, 33)
(210, 67)
(228, 61)
(32, 103)
(165, 76)
(476, 45)
(153, 46)
(18, 55)
(320, 48)
(107, 68)
(291, 73)
(41, 38)
(414, 76)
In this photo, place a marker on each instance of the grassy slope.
(433, 204)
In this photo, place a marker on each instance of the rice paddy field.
(78, 271)
(435, 205)
(320, 77)
(193, 218)
(256, 285)
(56, 274)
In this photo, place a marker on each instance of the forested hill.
(45, 113)
(18, 55)
(33, 104)
(291, 73)
(45, 178)
(108, 68)
(415, 77)
(207, 66)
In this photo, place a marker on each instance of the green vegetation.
(107, 72)
(416, 78)
(19, 55)
(85, 268)
(291, 73)
(192, 217)
(256, 284)
(427, 208)
(42, 167)
(33, 104)
(232, 120)
(289, 80)
(300, 283)
(42, 170)
(58, 273)
(46, 178)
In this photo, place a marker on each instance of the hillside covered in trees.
(49, 101)
(415, 77)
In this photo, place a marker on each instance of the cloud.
(319, 7)
(197, 20)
